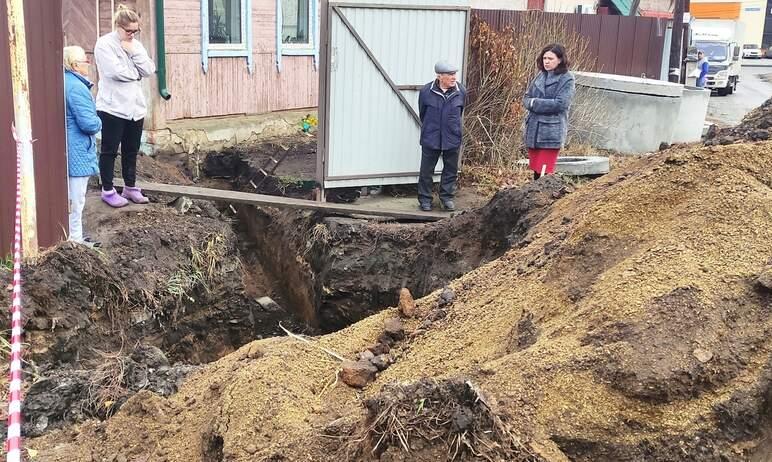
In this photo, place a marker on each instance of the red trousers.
(537, 158)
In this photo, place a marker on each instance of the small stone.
(214, 386)
(765, 278)
(394, 328)
(251, 449)
(381, 362)
(379, 349)
(407, 305)
(121, 458)
(255, 352)
(446, 297)
(367, 355)
(358, 374)
(702, 355)
(268, 304)
(182, 204)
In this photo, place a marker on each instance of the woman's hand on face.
(128, 46)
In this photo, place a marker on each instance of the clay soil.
(624, 323)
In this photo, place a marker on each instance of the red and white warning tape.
(13, 442)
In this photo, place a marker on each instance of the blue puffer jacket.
(82, 124)
(441, 116)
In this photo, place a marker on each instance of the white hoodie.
(120, 75)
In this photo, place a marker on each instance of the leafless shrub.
(502, 64)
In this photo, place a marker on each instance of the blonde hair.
(73, 55)
(125, 16)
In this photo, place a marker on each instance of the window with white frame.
(227, 24)
(226, 30)
(296, 24)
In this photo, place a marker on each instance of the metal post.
(23, 122)
(676, 41)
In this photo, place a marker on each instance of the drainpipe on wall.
(161, 50)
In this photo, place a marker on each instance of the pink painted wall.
(228, 88)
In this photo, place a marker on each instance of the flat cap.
(444, 67)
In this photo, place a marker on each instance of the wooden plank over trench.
(283, 202)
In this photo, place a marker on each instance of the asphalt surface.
(751, 92)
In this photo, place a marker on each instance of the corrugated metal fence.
(623, 45)
(43, 20)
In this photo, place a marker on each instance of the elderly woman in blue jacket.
(548, 100)
(82, 126)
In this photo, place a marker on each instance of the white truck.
(721, 41)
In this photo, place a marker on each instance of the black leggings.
(127, 134)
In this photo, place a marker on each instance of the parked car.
(752, 51)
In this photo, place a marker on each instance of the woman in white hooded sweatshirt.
(122, 63)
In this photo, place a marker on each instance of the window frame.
(298, 49)
(227, 50)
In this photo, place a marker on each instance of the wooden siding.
(79, 18)
(228, 88)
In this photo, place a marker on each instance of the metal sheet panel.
(371, 136)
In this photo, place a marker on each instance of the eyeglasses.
(131, 31)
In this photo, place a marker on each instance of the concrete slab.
(218, 133)
(627, 84)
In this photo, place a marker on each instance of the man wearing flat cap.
(440, 107)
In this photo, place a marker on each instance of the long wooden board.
(283, 202)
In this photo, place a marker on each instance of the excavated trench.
(181, 286)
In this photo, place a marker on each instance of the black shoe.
(426, 207)
(449, 206)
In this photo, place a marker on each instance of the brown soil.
(160, 280)
(756, 126)
(628, 326)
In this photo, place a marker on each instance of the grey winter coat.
(547, 101)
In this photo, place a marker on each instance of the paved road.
(751, 92)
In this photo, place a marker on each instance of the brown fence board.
(44, 48)
(625, 45)
(621, 45)
(640, 56)
(607, 49)
(43, 23)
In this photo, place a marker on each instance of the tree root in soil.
(451, 415)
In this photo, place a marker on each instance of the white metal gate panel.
(376, 59)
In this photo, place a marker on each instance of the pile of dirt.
(161, 280)
(632, 324)
(756, 126)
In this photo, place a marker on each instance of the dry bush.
(502, 64)
(449, 417)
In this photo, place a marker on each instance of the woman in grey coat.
(547, 101)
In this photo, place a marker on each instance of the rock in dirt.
(358, 374)
(765, 278)
(380, 349)
(394, 329)
(446, 297)
(407, 306)
(181, 204)
(381, 362)
(367, 355)
(268, 304)
(702, 355)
